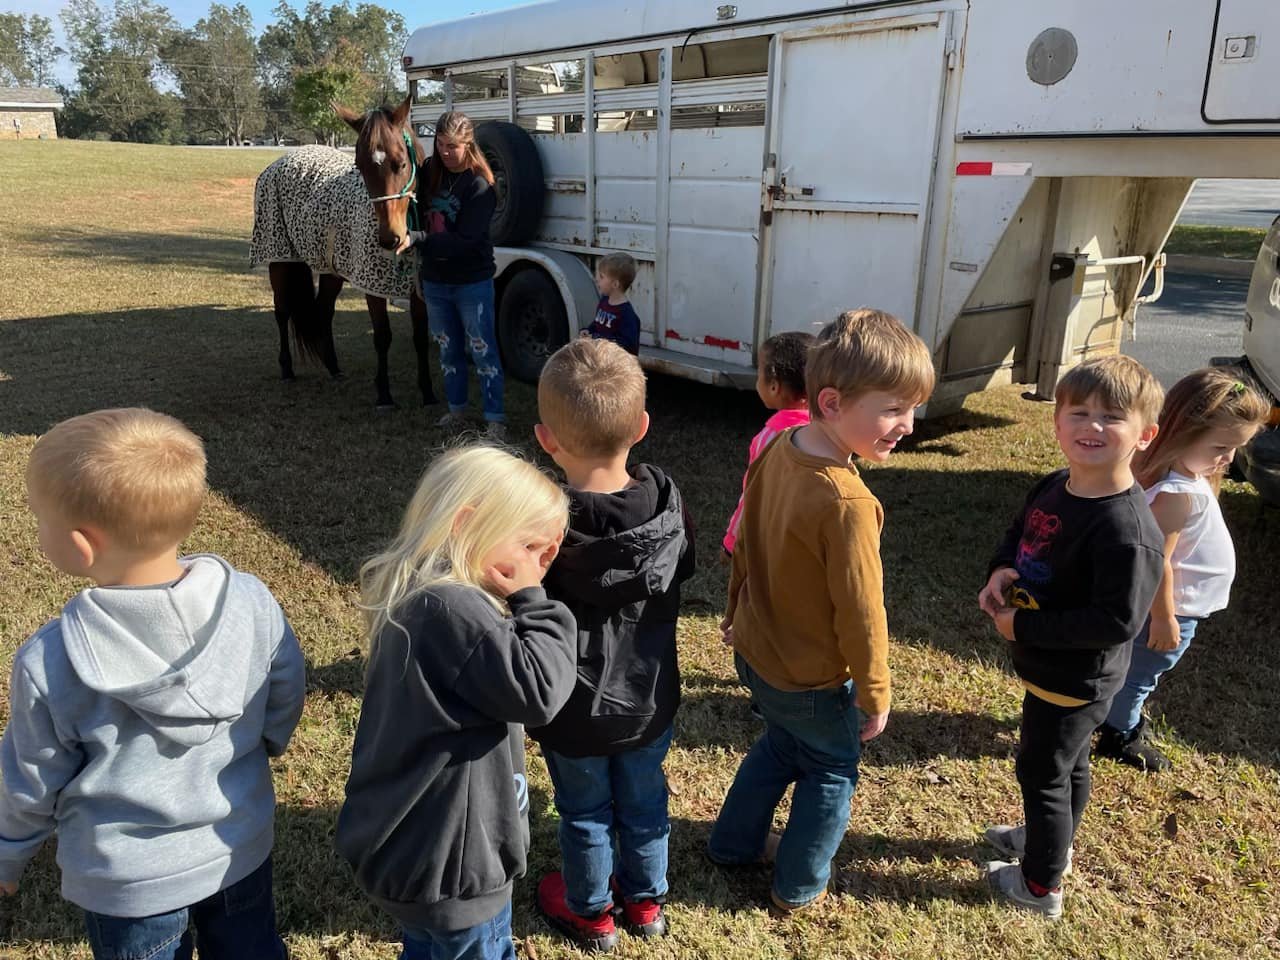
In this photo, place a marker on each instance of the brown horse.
(387, 158)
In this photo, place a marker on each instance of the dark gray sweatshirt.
(435, 822)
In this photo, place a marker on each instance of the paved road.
(1233, 203)
(1197, 318)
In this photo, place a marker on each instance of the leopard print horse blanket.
(311, 207)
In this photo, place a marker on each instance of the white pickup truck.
(1260, 461)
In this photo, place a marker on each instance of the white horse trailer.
(1002, 174)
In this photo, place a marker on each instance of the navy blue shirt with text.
(618, 322)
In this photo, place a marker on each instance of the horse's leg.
(279, 275)
(422, 345)
(382, 344)
(326, 298)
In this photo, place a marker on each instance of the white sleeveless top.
(1204, 559)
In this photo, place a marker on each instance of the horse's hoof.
(287, 378)
(430, 402)
(388, 407)
(337, 376)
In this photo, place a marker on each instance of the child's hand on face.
(521, 565)
(994, 597)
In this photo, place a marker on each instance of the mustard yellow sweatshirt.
(806, 595)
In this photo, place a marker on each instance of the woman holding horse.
(456, 268)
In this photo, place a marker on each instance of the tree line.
(141, 77)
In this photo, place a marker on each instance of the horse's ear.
(401, 113)
(352, 119)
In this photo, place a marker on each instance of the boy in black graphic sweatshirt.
(1069, 588)
(619, 570)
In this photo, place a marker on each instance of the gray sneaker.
(1006, 880)
(495, 431)
(1011, 843)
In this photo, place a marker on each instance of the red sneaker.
(597, 934)
(644, 918)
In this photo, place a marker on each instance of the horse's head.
(387, 156)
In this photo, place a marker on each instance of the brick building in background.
(27, 113)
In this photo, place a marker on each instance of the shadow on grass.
(345, 675)
(866, 867)
(311, 460)
(1224, 695)
(209, 253)
(715, 718)
(941, 528)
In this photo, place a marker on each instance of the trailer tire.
(518, 181)
(532, 324)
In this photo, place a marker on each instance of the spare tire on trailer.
(532, 323)
(518, 181)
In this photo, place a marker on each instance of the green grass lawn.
(1234, 243)
(124, 282)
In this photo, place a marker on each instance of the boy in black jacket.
(619, 570)
(1069, 588)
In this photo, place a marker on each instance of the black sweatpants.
(1053, 770)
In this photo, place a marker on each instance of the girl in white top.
(1206, 416)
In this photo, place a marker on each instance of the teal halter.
(407, 189)
(411, 215)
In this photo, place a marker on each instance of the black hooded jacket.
(619, 570)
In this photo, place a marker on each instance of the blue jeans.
(233, 924)
(460, 316)
(490, 940)
(812, 739)
(620, 799)
(1145, 669)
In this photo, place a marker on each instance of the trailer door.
(1243, 63)
(849, 168)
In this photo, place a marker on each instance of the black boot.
(1134, 748)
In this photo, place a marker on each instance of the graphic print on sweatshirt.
(1034, 549)
(442, 210)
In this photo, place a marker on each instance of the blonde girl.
(1207, 415)
(456, 268)
(465, 647)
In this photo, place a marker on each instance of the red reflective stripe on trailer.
(672, 335)
(972, 168)
(711, 341)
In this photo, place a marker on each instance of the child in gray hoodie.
(142, 719)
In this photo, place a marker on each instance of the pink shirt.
(781, 420)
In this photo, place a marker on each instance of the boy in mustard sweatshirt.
(806, 615)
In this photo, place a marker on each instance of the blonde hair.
(864, 350)
(620, 267)
(591, 395)
(136, 474)
(457, 126)
(1118, 382)
(439, 542)
(1203, 400)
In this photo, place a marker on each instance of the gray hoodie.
(140, 725)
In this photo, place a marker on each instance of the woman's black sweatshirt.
(453, 236)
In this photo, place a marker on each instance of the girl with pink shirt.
(780, 386)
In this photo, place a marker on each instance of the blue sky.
(187, 12)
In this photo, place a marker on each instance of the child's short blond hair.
(864, 350)
(1118, 382)
(620, 267)
(137, 475)
(591, 395)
